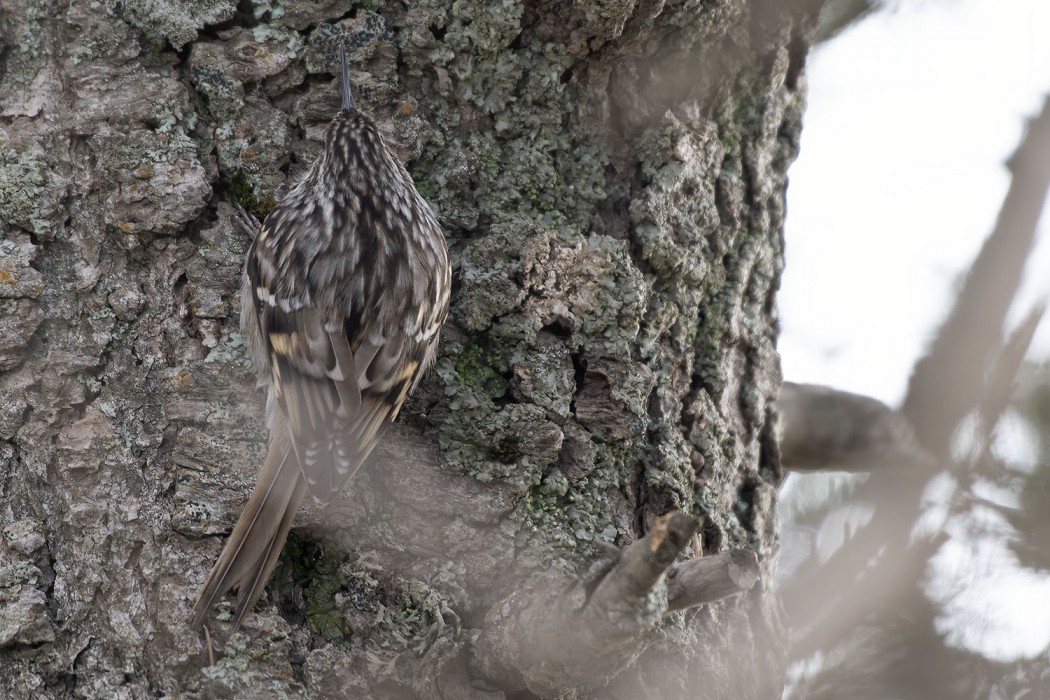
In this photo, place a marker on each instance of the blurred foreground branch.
(950, 380)
(875, 579)
(549, 636)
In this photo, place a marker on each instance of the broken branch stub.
(712, 578)
(549, 636)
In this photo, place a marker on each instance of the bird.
(345, 289)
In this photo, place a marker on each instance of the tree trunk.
(610, 178)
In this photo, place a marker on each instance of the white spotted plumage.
(346, 288)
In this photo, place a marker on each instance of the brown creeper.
(345, 290)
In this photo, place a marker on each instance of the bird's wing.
(338, 381)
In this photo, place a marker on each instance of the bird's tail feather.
(251, 552)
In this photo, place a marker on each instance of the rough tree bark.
(611, 180)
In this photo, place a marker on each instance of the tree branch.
(949, 381)
(825, 429)
(641, 565)
(710, 579)
(548, 637)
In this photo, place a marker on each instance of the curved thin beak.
(348, 99)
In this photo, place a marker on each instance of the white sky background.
(912, 115)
